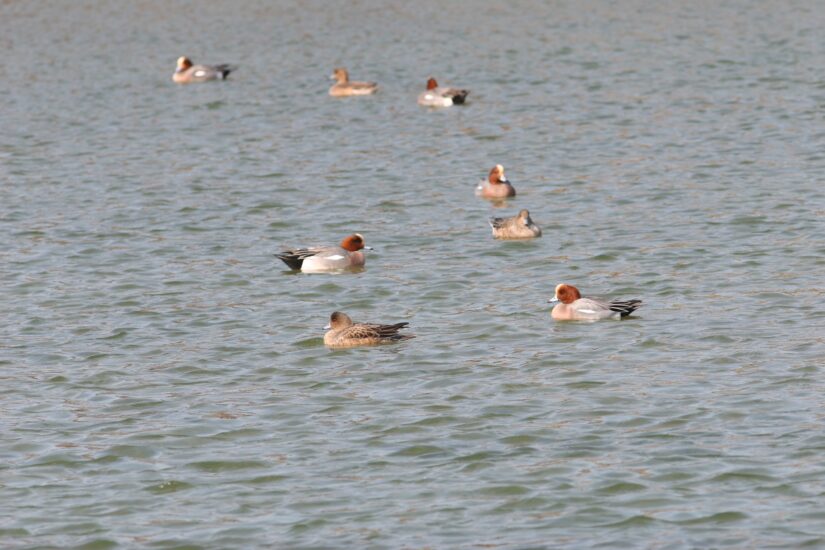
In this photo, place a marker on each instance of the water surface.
(164, 379)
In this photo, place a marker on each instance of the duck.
(435, 96)
(186, 72)
(343, 87)
(342, 332)
(570, 306)
(327, 258)
(497, 185)
(520, 226)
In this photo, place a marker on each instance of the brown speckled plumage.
(344, 333)
(520, 226)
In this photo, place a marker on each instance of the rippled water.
(164, 381)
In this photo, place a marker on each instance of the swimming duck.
(343, 333)
(186, 72)
(343, 87)
(497, 185)
(573, 307)
(520, 226)
(327, 258)
(435, 96)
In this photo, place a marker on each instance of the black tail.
(293, 261)
(625, 307)
(224, 70)
(459, 97)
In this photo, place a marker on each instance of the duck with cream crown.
(187, 73)
(570, 306)
(437, 96)
(347, 256)
(497, 186)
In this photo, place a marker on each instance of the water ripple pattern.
(164, 380)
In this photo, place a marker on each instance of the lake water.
(164, 380)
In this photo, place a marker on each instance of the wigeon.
(343, 333)
(343, 87)
(327, 258)
(435, 96)
(573, 307)
(186, 72)
(497, 185)
(520, 226)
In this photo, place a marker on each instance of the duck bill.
(553, 300)
(327, 326)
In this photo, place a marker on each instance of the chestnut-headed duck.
(497, 185)
(520, 226)
(436, 96)
(572, 307)
(343, 333)
(343, 87)
(327, 258)
(186, 72)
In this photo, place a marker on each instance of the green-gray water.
(164, 382)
